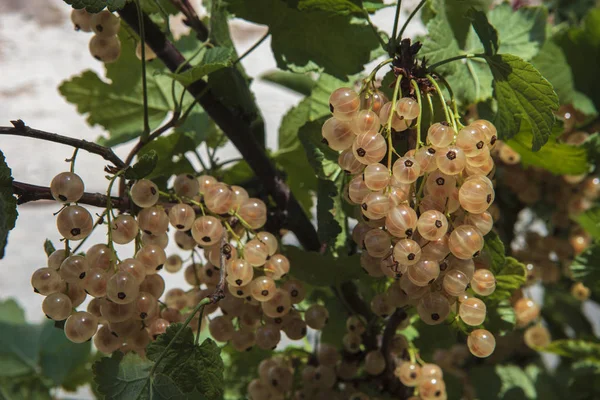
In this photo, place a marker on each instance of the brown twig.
(20, 129)
(390, 381)
(26, 192)
(236, 128)
(219, 292)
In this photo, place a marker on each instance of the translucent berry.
(218, 198)
(152, 257)
(122, 288)
(57, 306)
(239, 272)
(432, 389)
(105, 341)
(344, 104)
(483, 282)
(476, 194)
(433, 308)
(401, 221)
(481, 343)
(425, 157)
(440, 135)
(537, 336)
(471, 140)
(375, 205)
(407, 252)
(488, 129)
(186, 185)
(80, 327)
(135, 267)
(526, 311)
(263, 288)
(451, 160)
(369, 148)
(374, 362)
(279, 305)
(357, 189)
(253, 212)
(381, 306)
(82, 20)
(365, 121)
(207, 231)
(398, 124)
(73, 269)
(316, 316)
(67, 187)
(105, 49)
(277, 266)
(144, 193)
(455, 282)
(105, 24)
(373, 101)
(376, 176)
(472, 311)
(406, 170)
(349, 163)
(432, 225)
(408, 373)
(182, 216)
(153, 220)
(465, 242)
(268, 337)
(377, 243)
(424, 272)
(74, 223)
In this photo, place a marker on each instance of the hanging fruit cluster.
(125, 311)
(424, 215)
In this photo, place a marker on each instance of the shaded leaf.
(331, 219)
(311, 40)
(11, 312)
(49, 247)
(8, 204)
(590, 221)
(143, 167)
(323, 269)
(486, 32)
(586, 267)
(320, 156)
(122, 377)
(300, 83)
(574, 348)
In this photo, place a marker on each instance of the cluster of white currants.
(105, 45)
(428, 378)
(423, 219)
(210, 215)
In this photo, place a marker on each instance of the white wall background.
(38, 50)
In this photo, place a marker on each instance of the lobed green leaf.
(8, 204)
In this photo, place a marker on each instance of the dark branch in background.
(391, 382)
(349, 294)
(20, 129)
(191, 18)
(236, 129)
(26, 192)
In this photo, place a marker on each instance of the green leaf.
(494, 249)
(575, 348)
(341, 7)
(563, 314)
(49, 247)
(95, 6)
(299, 175)
(213, 60)
(320, 156)
(323, 269)
(8, 204)
(485, 31)
(592, 145)
(573, 159)
(241, 368)
(19, 346)
(29, 387)
(143, 167)
(590, 221)
(118, 106)
(331, 219)
(501, 318)
(191, 367)
(580, 44)
(311, 40)
(522, 94)
(122, 377)
(586, 267)
(509, 278)
(300, 83)
(11, 313)
(58, 356)
(502, 382)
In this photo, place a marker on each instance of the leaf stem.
(395, 29)
(389, 123)
(251, 49)
(410, 17)
(442, 100)
(456, 58)
(144, 83)
(420, 116)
